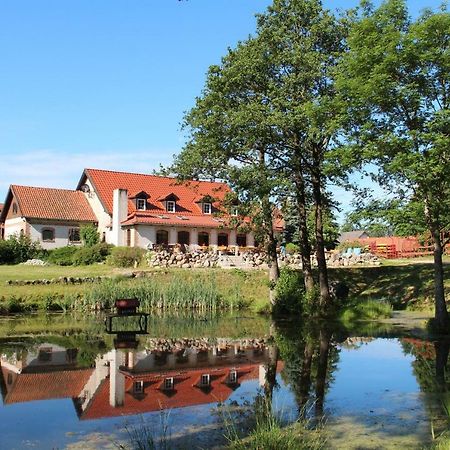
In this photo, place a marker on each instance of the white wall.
(146, 235)
(14, 226)
(61, 235)
(103, 218)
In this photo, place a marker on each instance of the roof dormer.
(140, 200)
(170, 202)
(205, 203)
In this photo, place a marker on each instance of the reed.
(198, 293)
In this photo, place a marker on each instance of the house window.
(14, 208)
(232, 376)
(162, 237)
(205, 379)
(168, 384)
(241, 240)
(234, 211)
(206, 208)
(170, 206)
(141, 204)
(48, 235)
(203, 239)
(74, 235)
(222, 240)
(138, 387)
(183, 237)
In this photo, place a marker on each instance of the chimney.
(120, 212)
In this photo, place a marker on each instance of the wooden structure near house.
(396, 247)
(126, 330)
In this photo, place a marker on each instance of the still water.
(65, 383)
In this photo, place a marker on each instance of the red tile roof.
(53, 204)
(44, 386)
(185, 393)
(105, 182)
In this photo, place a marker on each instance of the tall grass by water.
(198, 293)
(366, 310)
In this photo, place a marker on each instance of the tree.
(267, 118)
(395, 79)
(304, 42)
(230, 139)
(89, 235)
(387, 218)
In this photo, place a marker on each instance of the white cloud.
(51, 168)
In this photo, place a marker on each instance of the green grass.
(366, 310)
(404, 283)
(172, 288)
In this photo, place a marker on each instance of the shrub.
(62, 256)
(289, 291)
(292, 248)
(126, 256)
(17, 249)
(89, 235)
(90, 255)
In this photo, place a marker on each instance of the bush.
(62, 256)
(90, 255)
(292, 248)
(289, 291)
(17, 249)
(125, 256)
(89, 235)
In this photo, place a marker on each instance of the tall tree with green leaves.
(395, 79)
(304, 43)
(231, 139)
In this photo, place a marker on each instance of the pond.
(65, 383)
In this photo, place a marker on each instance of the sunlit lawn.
(402, 281)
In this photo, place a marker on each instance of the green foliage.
(62, 256)
(18, 248)
(387, 217)
(198, 293)
(125, 256)
(89, 235)
(366, 310)
(291, 296)
(292, 248)
(90, 255)
(394, 82)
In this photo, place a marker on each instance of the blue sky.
(104, 83)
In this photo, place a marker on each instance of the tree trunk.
(304, 244)
(442, 349)
(320, 245)
(270, 241)
(440, 310)
(305, 379)
(322, 369)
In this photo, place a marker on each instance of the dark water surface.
(64, 384)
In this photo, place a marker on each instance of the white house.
(50, 216)
(129, 209)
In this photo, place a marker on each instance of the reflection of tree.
(432, 371)
(310, 358)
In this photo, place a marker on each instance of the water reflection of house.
(133, 382)
(46, 372)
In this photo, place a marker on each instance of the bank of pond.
(222, 379)
(66, 289)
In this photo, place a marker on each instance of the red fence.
(397, 247)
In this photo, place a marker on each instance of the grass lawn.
(248, 285)
(405, 283)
